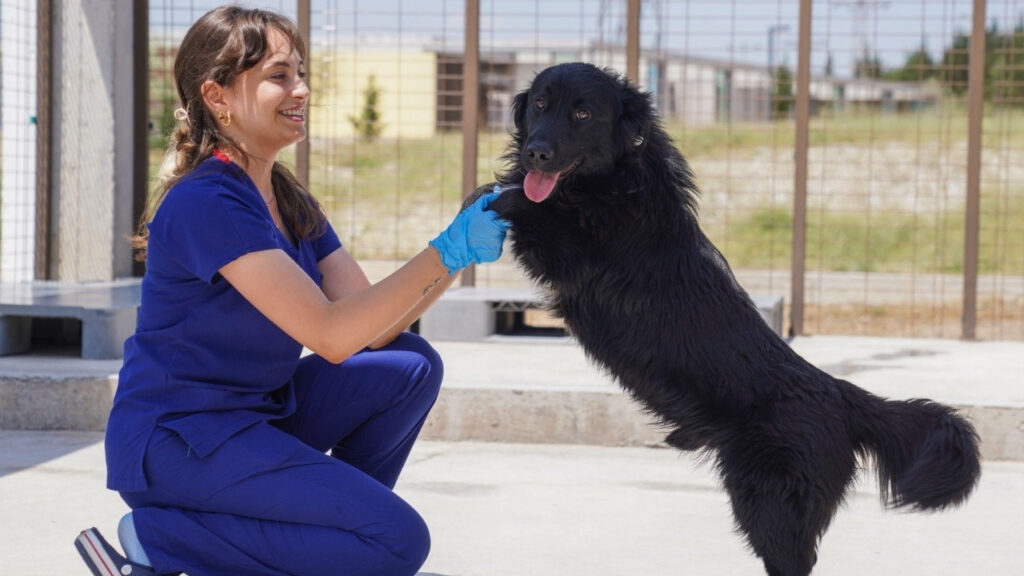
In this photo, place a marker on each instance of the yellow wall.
(407, 85)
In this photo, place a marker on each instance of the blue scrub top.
(203, 361)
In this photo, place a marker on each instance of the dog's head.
(576, 120)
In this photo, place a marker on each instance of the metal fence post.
(140, 127)
(44, 65)
(633, 41)
(975, 109)
(470, 110)
(803, 113)
(302, 148)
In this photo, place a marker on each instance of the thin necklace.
(220, 153)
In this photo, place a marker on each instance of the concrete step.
(544, 390)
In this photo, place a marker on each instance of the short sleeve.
(326, 243)
(210, 221)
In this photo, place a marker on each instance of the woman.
(218, 432)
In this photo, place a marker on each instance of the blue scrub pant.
(270, 501)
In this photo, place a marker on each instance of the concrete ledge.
(107, 311)
(56, 392)
(610, 419)
(50, 399)
(540, 416)
(1001, 430)
(471, 314)
(44, 403)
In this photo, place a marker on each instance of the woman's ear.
(215, 97)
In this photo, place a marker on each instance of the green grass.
(883, 242)
(949, 125)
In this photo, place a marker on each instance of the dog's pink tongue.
(538, 185)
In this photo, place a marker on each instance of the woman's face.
(268, 101)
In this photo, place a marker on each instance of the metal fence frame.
(470, 128)
(802, 145)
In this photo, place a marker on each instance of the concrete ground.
(591, 493)
(513, 509)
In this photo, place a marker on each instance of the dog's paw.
(503, 204)
(480, 191)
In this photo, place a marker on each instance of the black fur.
(618, 246)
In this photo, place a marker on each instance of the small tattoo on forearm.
(432, 285)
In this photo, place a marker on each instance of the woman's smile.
(297, 114)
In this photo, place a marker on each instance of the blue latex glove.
(475, 235)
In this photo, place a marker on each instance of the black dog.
(603, 213)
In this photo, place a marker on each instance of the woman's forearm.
(356, 319)
(429, 297)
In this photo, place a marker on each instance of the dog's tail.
(926, 454)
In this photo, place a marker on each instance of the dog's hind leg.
(687, 439)
(785, 491)
(775, 517)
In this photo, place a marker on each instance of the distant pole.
(975, 109)
(302, 148)
(859, 19)
(470, 110)
(44, 63)
(803, 114)
(140, 122)
(633, 41)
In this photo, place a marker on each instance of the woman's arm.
(342, 275)
(362, 315)
(289, 298)
(426, 302)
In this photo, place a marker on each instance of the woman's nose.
(301, 90)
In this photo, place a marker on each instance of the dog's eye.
(540, 103)
(583, 114)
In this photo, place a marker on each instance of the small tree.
(368, 124)
(167, 122)
(782, 99)
(867, 66)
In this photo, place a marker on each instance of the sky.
(729, 30)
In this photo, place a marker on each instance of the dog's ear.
(637, 116)
(519, 111)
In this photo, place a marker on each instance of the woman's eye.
(540, 103)
(583, 114)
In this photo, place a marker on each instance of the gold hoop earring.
(225, 117)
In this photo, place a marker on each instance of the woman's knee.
(409, 543)
(399, 542)
(430, 363)
(418, 344)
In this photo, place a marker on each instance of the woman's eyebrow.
(284, 63)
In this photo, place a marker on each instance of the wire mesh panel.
(518, 40)
(887, 167)
(1001, 240)
(887, 159)
(18, 102)
(385, 146)
(721, 74)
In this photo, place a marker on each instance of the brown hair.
(222, 44)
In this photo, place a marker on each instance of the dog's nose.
(540, 152)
